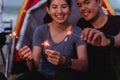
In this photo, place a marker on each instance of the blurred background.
(11, 9)
(116, 5)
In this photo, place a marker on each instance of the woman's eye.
(54, 7)
(64, 6)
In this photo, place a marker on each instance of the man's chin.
(87, 19)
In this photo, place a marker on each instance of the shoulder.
(76, 29)
(114, 23)
(114, 18)
(40, 31)
(41, 28)
(81, 20)
(82, 23)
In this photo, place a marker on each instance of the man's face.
(89, 9)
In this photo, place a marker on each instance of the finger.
(47, 51)
(51, 52)
(90, 35)
(95, 37)
(85, 33)
(82, 37)
(23, 48)
(98, 41)
(53, 60)
(30, 57)
(24, 53)
(27, 50)
(55, 56)
(26, 56)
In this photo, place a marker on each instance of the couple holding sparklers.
(64, 55)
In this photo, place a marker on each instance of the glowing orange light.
(69, 32)
(13, 35)
(46, 44)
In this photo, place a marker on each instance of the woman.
(65, 53)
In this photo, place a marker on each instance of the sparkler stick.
(70, 33)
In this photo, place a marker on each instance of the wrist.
(111, 40)
(67, 63)
(108, 42)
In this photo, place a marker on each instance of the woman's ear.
(47, 9)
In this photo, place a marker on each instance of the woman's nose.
(59, 10)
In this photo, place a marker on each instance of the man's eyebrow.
(85, 0)
(82, 2)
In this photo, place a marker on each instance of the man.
(2, 35)
(102, 33)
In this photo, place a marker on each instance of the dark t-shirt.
(104, 61)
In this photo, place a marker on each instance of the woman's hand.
(26, 54)
(55, 57)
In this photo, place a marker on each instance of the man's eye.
(79, 5)
(87, 2)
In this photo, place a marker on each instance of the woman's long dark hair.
(47, 17)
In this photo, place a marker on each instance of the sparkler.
(46, 44)
(70, 33)
(13, 35)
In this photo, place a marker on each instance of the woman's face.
(59, 10)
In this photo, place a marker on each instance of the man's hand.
(94, 37)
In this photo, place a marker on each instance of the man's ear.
(100, 2)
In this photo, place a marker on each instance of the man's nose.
(83, 7)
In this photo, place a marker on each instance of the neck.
(59, 27)
(100, 21)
